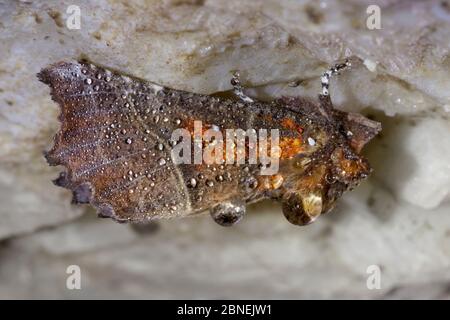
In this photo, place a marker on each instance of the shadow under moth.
(116, 143)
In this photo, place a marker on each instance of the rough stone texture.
(399, 219)
(262, 257)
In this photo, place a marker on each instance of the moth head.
(356, 129)
(315, 180)
(314, 191)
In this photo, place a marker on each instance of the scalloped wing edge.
(82, 193)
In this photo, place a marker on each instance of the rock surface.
(399, 219)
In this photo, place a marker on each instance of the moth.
(116, 144)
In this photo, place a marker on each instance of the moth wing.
(115, 153)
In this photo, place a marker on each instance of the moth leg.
(228, 213)
(325, 79)
(238, 90)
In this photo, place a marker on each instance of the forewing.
(113, 144)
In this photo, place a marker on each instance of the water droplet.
(209, 183)
(160, 147)
(311, 141)
(192, 183)
(162, 161)
(128, 141)
(253, 183)
(88, 81)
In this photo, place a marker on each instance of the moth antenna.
(325, 79)
(237, 87)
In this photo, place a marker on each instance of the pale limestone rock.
(27, 202)
(413, 160)
(263, 257)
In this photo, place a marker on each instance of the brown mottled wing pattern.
(116, 144)
(113, 144)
